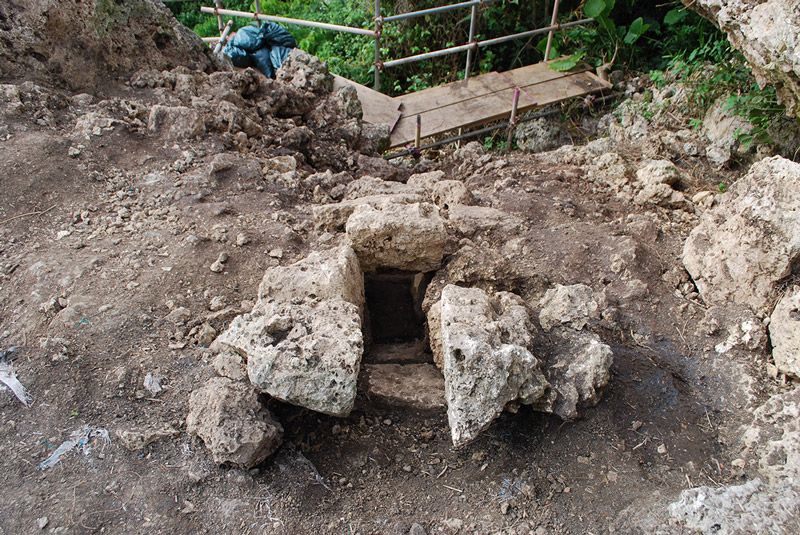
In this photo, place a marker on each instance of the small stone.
(216, 303)
(387, 421)
(152, 383)
(276, 253)
(567, 490)
(662, 449)
(242, 239)
(74, 152)
(206, 335)
(407, 468)
(217, 267)
(416, 529)
(636, 425)
(504, 508)
(42, 522)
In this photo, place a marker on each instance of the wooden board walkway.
(473, 102)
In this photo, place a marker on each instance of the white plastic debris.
(9, 378)
(80, 437)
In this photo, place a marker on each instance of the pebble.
(504, 508)
(407, 468)
(662, 449)
(242, 239)
(216, 303)
(276, 253)
(416, 529)
(42, 522)
(636, 425)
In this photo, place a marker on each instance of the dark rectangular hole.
(394, 304)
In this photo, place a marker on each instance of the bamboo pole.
(434, 10)
(550, 34)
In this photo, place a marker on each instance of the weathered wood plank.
(436, 97)
(377, 108)
(495, 105)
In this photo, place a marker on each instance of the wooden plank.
(436, 97)
(494, 106)
(377, 107)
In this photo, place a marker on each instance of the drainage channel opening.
(394, 306)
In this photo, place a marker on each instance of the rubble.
(234, 425)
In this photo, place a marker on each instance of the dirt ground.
(102, 237)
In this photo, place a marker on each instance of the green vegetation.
(667, 40)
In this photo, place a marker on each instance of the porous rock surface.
(303, 341)
(486, 359)
(571, 306)
(766, 32)
(751, 239)
(784, 331)
(753, 507)
(772, 440)
(402, 236)
(578, 372)
(235, 427)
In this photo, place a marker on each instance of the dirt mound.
(86, 45)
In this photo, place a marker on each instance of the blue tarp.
(264, 48)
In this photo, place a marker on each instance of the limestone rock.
(368, 186)
(772, 440)
(138, 439)
(486, 361)
(176, 122)
(448, 193)
(577, 373)
(752, 507)
(751, 239)
(230, 365)
(426, 181)
(539, 135)
(784, 331)
(333, 217)
(403, 236)
(415, 386)
(303, 341)
(766, 32)
(658, 172)
(612, 169)
(572, 306)
(333, 274)
(471, 219)
(306, 72)
(233, 424)
(660, 195)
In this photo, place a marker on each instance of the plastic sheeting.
(263, 48)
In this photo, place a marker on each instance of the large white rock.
(784, 331)
(233, 424)
(403, 236)
(746, 509)
(303, 341)
(750, 240)
(768, 34)
(487, 363)
(577, 373)
(571, 306)
(772, 441)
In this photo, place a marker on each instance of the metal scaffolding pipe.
(220, 25)
(481, 44)
(224, 36)
(550, 34)
(472, 16)
(435, 10)
(377, 63)
(297, 22)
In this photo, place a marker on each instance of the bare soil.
(87, 312)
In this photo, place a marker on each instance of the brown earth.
(102, 235)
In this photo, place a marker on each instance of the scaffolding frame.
(470, 47)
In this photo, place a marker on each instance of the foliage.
(706, 63)
(670, 41)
